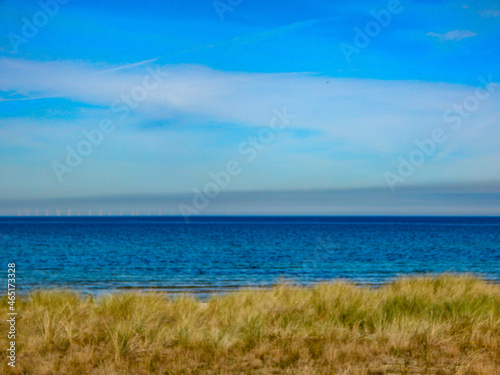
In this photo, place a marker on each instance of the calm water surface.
(216, 254)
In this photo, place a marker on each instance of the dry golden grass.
(442, 325)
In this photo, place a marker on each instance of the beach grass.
(418, 325)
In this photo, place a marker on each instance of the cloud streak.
(453, 35)
(432, 200)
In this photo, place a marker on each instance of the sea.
(213, 255)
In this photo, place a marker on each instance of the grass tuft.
(417, 325)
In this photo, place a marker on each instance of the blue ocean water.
(217, 254)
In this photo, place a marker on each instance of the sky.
(249, 107)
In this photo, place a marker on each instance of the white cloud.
(489, 13)
(377, 115)
(454, 35)
(359, 126)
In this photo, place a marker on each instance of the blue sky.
(213, 82)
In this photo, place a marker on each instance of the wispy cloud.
(489, 13)
(257, 36)
(355, 110)
(374, 114)
(129, 66)
(351, 128)
(22, 99)
(453, 35)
